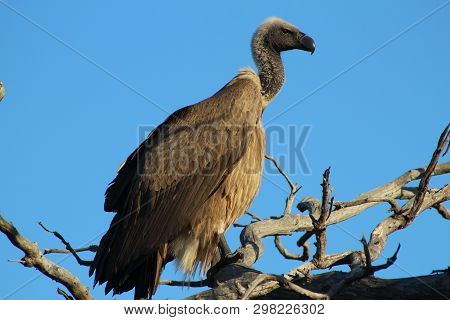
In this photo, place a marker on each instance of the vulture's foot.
(224, 248)
(225, 260)
(226, 257)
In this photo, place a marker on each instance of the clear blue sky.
(66, 125)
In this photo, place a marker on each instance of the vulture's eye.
(286, 31)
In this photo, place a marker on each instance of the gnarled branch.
(34, 258)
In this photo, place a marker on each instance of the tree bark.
(435, 287)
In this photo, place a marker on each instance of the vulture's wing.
(163, 183)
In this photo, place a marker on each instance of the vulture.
(194, 176)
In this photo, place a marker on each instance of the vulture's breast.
(223, 208)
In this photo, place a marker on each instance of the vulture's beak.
(306, 43)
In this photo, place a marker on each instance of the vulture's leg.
(223, 247)
(226, 257)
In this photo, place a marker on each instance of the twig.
(302, 242)
(294, 187)
(442, 210)
(288, 255)
(64, 294)
(68, 246)
(389, 262)
(366, 252)
(280, 281)
(91, 248)
(34, 258)
(21, 261)
(238, 225)
(192, 284)
(310, 294)
(254, 216)
(342, 204)
(360, 272)
(275, 162)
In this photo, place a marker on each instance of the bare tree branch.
(425, 180)
(68, 246)
(360, 271)
(277, 165)
(321, 215)
(370, 288)
(91, 248)
(288, 255)
(34, 258)
(294, 187)
(64, 294)
(320, 224)
(396, 222)
(236, 278)
(252, 234)
(277, 281)
(193, 284)
(254, 216)
(442, 210)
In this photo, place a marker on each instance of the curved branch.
(288, 255)
(34, 258)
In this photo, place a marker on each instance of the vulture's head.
(280, 35)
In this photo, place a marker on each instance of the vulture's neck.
(270, 67)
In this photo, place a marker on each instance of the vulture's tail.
(146, 277)
(142, 275)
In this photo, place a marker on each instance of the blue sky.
(72, 112)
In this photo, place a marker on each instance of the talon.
(225, 260)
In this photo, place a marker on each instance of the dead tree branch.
(237, 279)
(34, 258)
(252, 234)
(193, 284)
(361, 271)
(321, 214)
(64, 294)
(425, 180)
(253, 216)
(442, 210)
(294, 187)
(91, 248)
(279, 281)
(436, 287)
(288, 255)
(67, 244)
